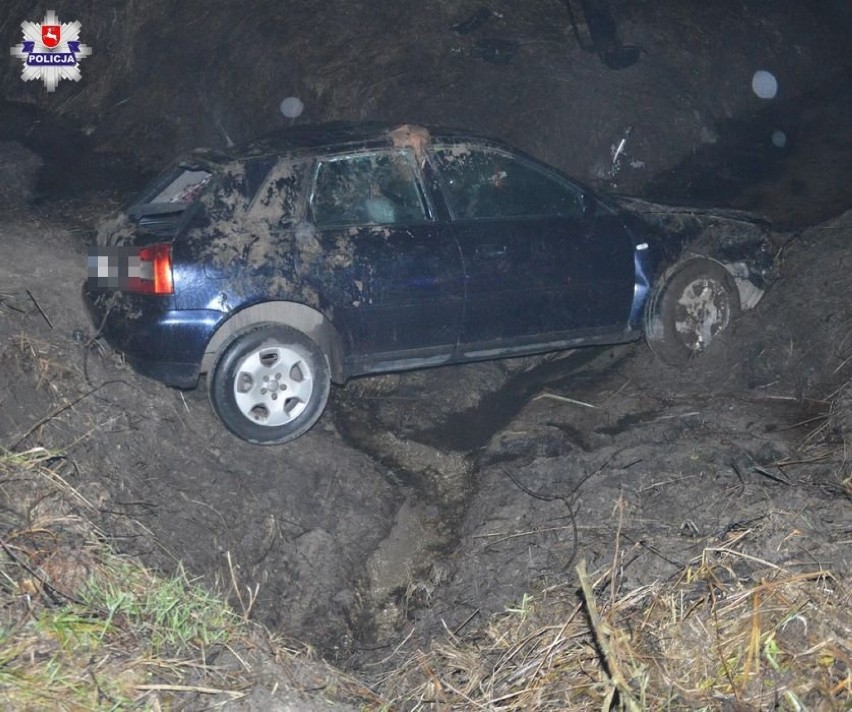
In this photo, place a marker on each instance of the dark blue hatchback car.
(321, 253)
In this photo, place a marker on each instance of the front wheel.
(697, 304)
(270, 385)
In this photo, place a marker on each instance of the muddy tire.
(270, 385)
(696, 305)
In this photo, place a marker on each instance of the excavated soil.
(424, 502)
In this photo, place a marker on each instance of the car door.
(539, 266)
(393, 271)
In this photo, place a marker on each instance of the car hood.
(680, 216)
(724, 233)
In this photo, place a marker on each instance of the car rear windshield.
(173, 193)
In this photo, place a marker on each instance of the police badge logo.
(51, 51)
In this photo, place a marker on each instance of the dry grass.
(731, 632)
(80, 626)
(43, 360)
(830, 437)
(84, 628)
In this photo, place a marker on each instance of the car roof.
(333, 137)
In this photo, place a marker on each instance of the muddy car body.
(322, 253)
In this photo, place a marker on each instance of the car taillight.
(150, 272)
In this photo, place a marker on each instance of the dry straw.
(730, 632)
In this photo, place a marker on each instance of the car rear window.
(225, 190)
(184, 188)
(172, 193)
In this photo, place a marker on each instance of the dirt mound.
(159, 457)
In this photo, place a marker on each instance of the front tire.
(270, 385)
(697, 304)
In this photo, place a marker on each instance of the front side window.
(487, 183)
(367, 189)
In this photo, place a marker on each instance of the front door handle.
(491, 250)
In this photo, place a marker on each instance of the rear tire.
(697, 304)
(270, 385)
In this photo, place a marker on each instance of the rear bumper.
(158, 341)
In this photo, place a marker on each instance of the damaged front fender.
(744, 243)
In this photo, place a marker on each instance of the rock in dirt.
(19, 168)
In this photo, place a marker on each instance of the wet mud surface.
(425, 501)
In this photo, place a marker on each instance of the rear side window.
(487, 183)
(367, 189)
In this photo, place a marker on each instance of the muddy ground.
(426, 501)
(439, 497)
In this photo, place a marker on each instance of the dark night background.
(167, 76)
